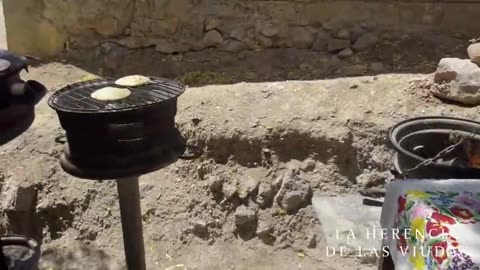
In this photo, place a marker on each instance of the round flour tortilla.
(133, 80)
(110, 93)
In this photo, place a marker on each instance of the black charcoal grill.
(116, 139)
(121, 140)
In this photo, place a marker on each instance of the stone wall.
(47, 27)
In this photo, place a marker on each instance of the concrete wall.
(46, 27)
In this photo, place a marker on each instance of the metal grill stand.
(131, 214)
(125, 138)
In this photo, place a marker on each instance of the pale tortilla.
(110, 93)
(133, 80)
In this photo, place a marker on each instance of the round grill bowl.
(118, 139)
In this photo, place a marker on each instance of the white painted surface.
(3, 33)
(349, 223)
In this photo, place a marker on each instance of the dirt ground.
(333, 132)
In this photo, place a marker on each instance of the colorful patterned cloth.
(433, 224)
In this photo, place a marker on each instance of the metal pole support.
(129, 197)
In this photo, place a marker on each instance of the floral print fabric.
(424, 221)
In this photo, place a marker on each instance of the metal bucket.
(419, 139)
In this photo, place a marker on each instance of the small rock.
(377, 67)
(295, 192)
(265, 42)
(284, 241)
(301, 37)
(145, 190)
(458, 80)
(134, 42)
(106, 26)
(165, 46)
(335, 45)
(371, 179)
(449, 68)
(212, 39)
(264, 227)
(365, 42)
(321, 41)
(238, 34)
(244, 216)
(265, 194)
(247, 186)
(343, 34)
(163, 28)
(211, 23)
(200, 228)
(355, 70)
(233, 46)
(269, 30)
(202, 171)
(308, 165)
(229, 190)
(329, 26)
(293, 200)
(369, 26)
(215, 184)
(345, 53)
(474, 53)
(353, 86)
(177, 267)
(92, 235)
(356, 32)
(196, 121)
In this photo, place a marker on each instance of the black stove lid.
(76, 97)
(11, 63)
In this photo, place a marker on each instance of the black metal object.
(17, 97)
(17, 101)
(19, 252)
(123, 138)
(130, 211)
(12, 63)
(10, 67)
(419, 141)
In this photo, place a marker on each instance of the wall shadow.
(395, 53)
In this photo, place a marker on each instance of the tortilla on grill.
(110, 93)
(133, 80)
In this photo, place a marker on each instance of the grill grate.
(76, 97)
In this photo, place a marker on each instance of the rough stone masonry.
(185, 25)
